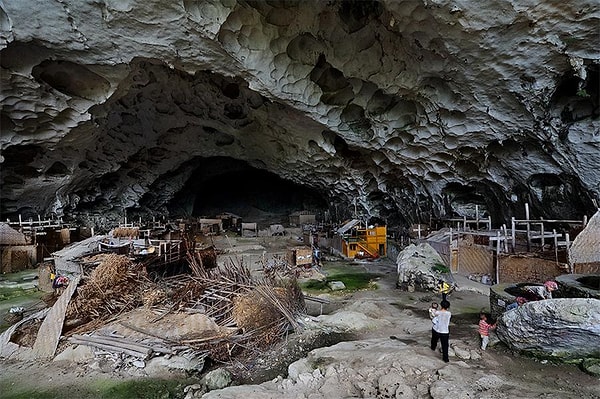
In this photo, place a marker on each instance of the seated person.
(541, 292)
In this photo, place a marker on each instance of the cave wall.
(412, 109)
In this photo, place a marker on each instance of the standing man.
(441, 329)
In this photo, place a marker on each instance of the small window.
(352, 247)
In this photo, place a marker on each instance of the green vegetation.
(102, 389)
(7, 293)
(440, 268)
(354, 279)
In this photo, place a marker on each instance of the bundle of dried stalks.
(253, 310)
(126, 232)
(114, 287)
(195, 264)
(267, 312)
(111, 271)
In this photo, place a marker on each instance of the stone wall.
(527, 268)
(500, 299)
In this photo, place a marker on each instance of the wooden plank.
(117, 343)
(112, 348)
(51, 328)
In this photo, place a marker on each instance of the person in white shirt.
(440, 331)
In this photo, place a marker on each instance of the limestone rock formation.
(415, 108)
(415, 265)
(380, 368)
(556, 328)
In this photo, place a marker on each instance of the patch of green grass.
(353, 280)
(7, 293)
(103, 389)
(147, 389)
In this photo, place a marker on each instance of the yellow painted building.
(358, 242)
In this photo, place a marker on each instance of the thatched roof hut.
(10, 236)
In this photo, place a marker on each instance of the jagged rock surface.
(413, 108)
(556, 328)
(415, 267)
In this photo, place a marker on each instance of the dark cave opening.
(222, 184)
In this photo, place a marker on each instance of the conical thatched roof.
(586, 246)
(10, 236)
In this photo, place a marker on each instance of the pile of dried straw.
(126, 232)
(115, 286)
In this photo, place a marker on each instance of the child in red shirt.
(484, 330)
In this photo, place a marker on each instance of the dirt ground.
(546, 378)
(405, 310)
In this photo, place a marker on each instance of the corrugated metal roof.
(348, 226)
(10, 236)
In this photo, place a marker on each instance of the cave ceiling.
(406, 110)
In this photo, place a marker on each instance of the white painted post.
(528, 227)
(543, 239)
(505, 239)
(464, 223)
(567, 239)
(498, 258)
(450, 249)
(477, 216)
(20, 221)
(514, 238)
(555, 245)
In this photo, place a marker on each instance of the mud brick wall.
(521, 269)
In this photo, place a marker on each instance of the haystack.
(126, 232)
(268, 312)
(10, 236)
(115, 286)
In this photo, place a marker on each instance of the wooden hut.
(15, 251)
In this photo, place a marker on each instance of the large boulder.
(416, 267)
(565, 329)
